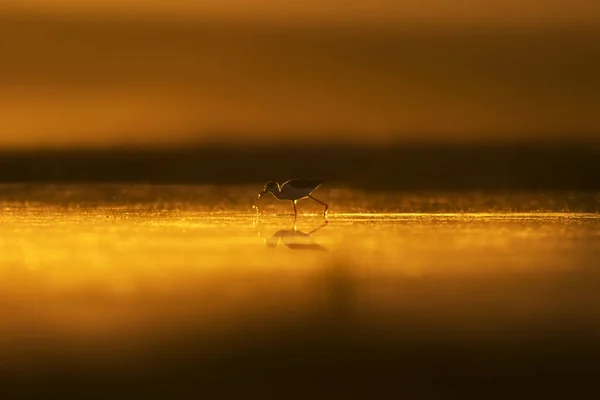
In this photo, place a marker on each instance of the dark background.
(467, 167)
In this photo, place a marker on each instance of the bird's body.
(294, 190)
(297, 189)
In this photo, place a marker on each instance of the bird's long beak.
(260, 195)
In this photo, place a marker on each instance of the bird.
(294, 190)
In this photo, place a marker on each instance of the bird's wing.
(304, 183)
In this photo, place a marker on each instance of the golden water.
(105, 287)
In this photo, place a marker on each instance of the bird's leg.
(319, 201)
(295, 211)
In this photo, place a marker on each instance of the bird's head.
(271, 186)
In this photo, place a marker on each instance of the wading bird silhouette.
(294, 190)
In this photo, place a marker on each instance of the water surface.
(105, 285)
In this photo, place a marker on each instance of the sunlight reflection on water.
(138, 279)
(89, 259)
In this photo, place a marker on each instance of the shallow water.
(124, 288)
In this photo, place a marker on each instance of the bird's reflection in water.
(295, 239)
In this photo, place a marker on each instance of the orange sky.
(69, 79)
(376, 11)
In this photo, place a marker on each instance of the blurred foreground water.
(170, 291)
